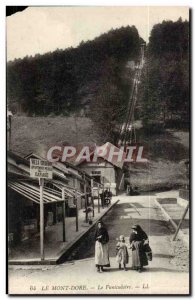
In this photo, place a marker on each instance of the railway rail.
(127, 128)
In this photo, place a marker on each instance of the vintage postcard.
(98, 122)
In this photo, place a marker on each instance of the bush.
(177, 124)
(153, 128)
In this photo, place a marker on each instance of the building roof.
(65, 167)
(21, 165)
(59, 170)
(106, 148)
(19, 180)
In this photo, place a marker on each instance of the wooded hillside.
(68, 80)
(165, 86)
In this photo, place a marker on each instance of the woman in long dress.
(101, 247)
(137, 240)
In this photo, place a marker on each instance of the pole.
(180, 222)
(9, 132)
(85, 192)
(103, 195)
(121, 181)
(77, 225)
(92, 199)
(41, 183)
(63, 216)
(98, 200)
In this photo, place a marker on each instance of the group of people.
(138, 242)
(106, 197)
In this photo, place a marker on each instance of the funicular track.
(127, 128)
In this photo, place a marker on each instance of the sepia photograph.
(98, 118)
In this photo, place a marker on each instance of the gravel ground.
(181, 255)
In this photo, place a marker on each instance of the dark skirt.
(139, 258)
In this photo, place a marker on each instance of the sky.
(44, 29)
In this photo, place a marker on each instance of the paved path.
(80, 276)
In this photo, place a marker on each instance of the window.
(96, 173)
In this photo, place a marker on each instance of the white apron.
(101, 254)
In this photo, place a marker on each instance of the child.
(122, 256)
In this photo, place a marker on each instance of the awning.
(68, 190)
(32, 192)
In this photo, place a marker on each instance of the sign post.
(42, 170)
(41, 183)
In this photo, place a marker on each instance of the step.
(167, 200)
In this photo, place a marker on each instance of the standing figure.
(122, 256)
(101, 247)
(138, 239)
(107, 197)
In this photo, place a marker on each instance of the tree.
(56, 81)
(165, 94)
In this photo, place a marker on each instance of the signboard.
(40, 169)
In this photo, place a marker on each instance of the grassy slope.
(165, 169)
(165, 152)
(37, 134)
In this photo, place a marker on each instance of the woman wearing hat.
(101, 247)
(137, 240)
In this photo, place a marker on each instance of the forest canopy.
(90, 79)
(165, 93)
(67, 81)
